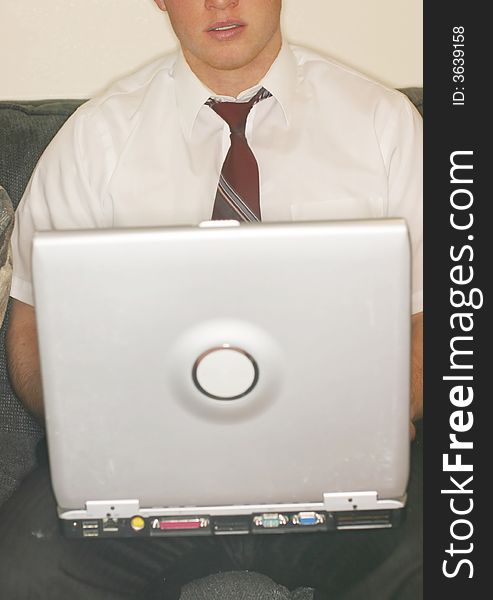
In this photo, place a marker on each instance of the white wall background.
(75, 48)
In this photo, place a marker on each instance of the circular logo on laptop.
(225, 373)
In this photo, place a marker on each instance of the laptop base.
(265, 523)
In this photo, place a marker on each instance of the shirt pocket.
(336, 209)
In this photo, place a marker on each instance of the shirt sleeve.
(61, 194)
(402, 150)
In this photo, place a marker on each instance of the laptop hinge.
(336, 501)
(98, 509)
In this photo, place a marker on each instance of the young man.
(329, 143)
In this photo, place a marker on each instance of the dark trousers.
(37, 563)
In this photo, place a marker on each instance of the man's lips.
(226, 25)
(223, 30)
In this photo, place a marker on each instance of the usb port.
(89, 525)
(90, 533)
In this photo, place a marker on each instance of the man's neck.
(231, 82)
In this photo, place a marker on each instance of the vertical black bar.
(457, 271)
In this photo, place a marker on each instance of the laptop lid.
(226, 369)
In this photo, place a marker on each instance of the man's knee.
(29, 537)
(27, 565)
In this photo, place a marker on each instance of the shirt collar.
(282, 79)
(192, 94)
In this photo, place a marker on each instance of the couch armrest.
(6, 224)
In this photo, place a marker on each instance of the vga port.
(308, 518)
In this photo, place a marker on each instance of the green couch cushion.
(26, 128)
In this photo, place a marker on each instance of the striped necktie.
(238, 191)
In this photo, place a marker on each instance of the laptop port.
(110, 525)
(270, 520)
(231, 525)
(364, 520)
(90, 533)
(137, 523)
(308, 519)
(185, 524)
(90, 528)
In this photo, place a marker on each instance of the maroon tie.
(238, 195)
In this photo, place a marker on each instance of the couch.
(25, 130)
(6, 224)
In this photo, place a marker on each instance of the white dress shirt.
(330, 144)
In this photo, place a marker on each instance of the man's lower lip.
(226, 34)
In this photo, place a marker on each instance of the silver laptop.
(226, 378)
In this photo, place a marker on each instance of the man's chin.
(230, 62)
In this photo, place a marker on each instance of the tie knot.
(236, 113)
